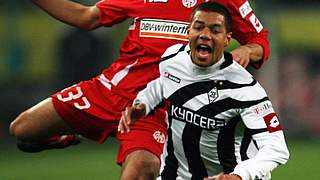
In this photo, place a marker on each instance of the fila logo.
(189, 3)
(172, 77)
(213, 95)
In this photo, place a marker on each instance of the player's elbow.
(283, 154)
(286, 155)
(89, 19)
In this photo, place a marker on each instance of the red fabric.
(100, 120)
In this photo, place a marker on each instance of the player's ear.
(228, 38)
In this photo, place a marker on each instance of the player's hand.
(129, 115)
(224, 177)
(242, 55)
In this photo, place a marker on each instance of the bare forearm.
(256, 52)
(71, 13)
(248, 54)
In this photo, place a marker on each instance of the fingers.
(241, 55)
(213, 177)
(243, 62)
(129, 115)
(125, 120)
(224, 177)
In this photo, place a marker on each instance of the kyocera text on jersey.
(189, 116)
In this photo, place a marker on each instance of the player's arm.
(248, 54)
(72, 13)
(265, 129)
(130, 115)
(146, 101)
(250, 33)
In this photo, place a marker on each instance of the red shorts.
(94, 111)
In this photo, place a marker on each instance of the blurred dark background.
(40, 55)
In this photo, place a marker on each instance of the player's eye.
(198, 26)
(215, 29)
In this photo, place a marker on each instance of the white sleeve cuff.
(138, 101)
(242, 172)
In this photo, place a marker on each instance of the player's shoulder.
(241, 7)
(172, 51)
(236, 73)
(228, 3)
(171, 57)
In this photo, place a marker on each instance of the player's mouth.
(203, 51)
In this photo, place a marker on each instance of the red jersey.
(158, 24)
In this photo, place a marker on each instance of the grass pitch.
(90, 161)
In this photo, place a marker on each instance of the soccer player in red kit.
(93, 108)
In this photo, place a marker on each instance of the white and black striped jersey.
(220, 119)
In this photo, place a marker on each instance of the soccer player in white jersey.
(222, 125)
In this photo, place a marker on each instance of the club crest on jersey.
(159, 137)
(172, 77)
(189, 3)
(213, 95)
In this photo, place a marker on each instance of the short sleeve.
(116, 11)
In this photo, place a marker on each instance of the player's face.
(207, 38)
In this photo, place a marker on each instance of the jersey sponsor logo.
(262, 109)
(256, 23)
(213, 95)
(172, 77)
(189, 3)
(272, 122)
(159, 137)
(158, 28)
(245, 9)
(189, 116)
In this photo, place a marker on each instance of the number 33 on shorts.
(80, 101)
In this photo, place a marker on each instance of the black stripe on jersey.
(225, 145)
(191, 144)
(230, 85)
(188, 92)
(247, 138)
(226, 104)
(171, 163)
(245, 144)
(257, 131)
(183, 46)
(228, 60)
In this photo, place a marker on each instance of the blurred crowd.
(299, 93)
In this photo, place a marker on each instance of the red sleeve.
(246, 26)
(116, 11)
